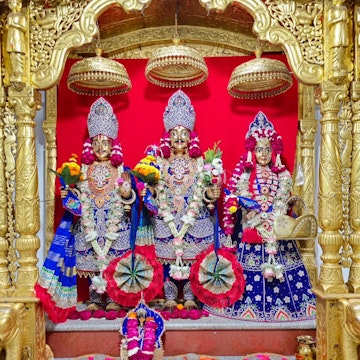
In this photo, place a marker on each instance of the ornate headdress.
(102, 120)
(261, 128)
(179, 112)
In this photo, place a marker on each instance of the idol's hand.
(213, 193)
(125, 188)
(63, 192)
(145, 189)
(250, 215)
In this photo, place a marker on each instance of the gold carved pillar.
(330, 285)
(330, 190)
(49, 127)
(306, 164)
(27, 212)
(4, 244)
(354, 276)
(27, 222)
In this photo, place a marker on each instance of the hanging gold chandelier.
(177, 65)
(259, 78)
(98, 76)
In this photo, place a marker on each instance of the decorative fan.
(217, 278)
(134, 275)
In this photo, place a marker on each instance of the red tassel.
(251, 236)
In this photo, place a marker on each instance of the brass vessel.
(306, 349)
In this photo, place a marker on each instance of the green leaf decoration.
(148, 179)
(214, 153)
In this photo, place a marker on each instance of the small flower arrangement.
(213, 167)
(69, 172)
(146, 170)
(179, 271)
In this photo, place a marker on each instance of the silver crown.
(102, 120)
(179, 112)
(260, 126)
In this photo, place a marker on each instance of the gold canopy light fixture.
(177, 65)
(259, 78)
(98, 76)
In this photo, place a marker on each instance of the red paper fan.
(133, 276)
(217, 278)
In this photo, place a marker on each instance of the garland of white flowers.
(271, 268)
(89, 226)
(179, 270)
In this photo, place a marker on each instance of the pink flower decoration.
(250, 143)
(277, 145)
(74, 315)
(85, 315)
(177, 241)
(207, 167)
(268, 273)
(121, 313)
(140, 186)
(98, 314)
(111, 315)
(120, 181)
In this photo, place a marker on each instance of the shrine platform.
(212, 335)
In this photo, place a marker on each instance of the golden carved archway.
(303, 30)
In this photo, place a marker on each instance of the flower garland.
(140, 346)
(179, 270)
(89, 227)
(276, 191)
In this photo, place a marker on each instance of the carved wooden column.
(27, 221)
(330, 190)
(330, 286)
(49, 127)
(4, 244)
(354, 276)
(306, 160)
(27, 214)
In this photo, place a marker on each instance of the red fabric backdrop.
(140, 112)
(219, 117)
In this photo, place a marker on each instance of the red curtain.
(219, 117)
